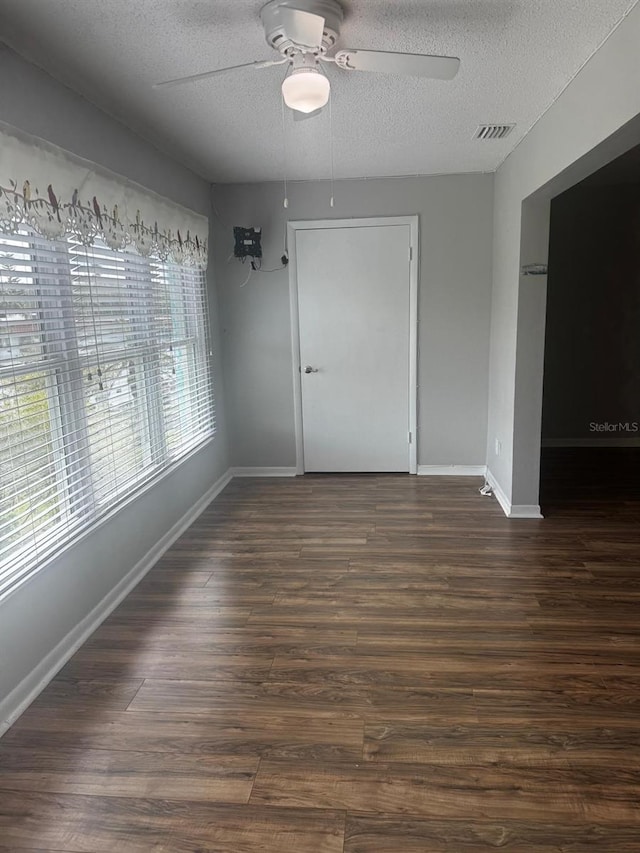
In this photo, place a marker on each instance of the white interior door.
(354, 325)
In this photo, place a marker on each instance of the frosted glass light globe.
(305, 90)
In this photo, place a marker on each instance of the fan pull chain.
(331, 144)
(284, 151)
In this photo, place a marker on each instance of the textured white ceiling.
(517, 56)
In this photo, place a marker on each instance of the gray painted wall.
(600, 100)
(454, 309)
(40, 613)
(592, 349)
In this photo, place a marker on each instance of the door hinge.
(410, 438)
(410, 253)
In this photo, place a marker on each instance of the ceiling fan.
(305, 34)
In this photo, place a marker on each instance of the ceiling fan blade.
(412, 64)
(205, 75)
(303, 28)
(298, 116)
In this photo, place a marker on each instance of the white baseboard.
(525, 511)
(34, 683)
(509, 509)
(452, 470)
(617, 441)
(500, 496)
(263, 472)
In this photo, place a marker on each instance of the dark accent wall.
(592, 349)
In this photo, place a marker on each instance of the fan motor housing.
(275, 32)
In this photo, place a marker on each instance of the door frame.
(321, 224)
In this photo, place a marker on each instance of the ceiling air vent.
(493, 131)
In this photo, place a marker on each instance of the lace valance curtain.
(59, 194)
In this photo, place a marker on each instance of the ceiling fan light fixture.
(306, 90)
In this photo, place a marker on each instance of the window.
(104, 383)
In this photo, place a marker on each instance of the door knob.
(309, 369)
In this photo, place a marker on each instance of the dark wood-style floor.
(359, 664)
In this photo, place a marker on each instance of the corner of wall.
(509, 509)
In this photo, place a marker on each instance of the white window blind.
(104, 382)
